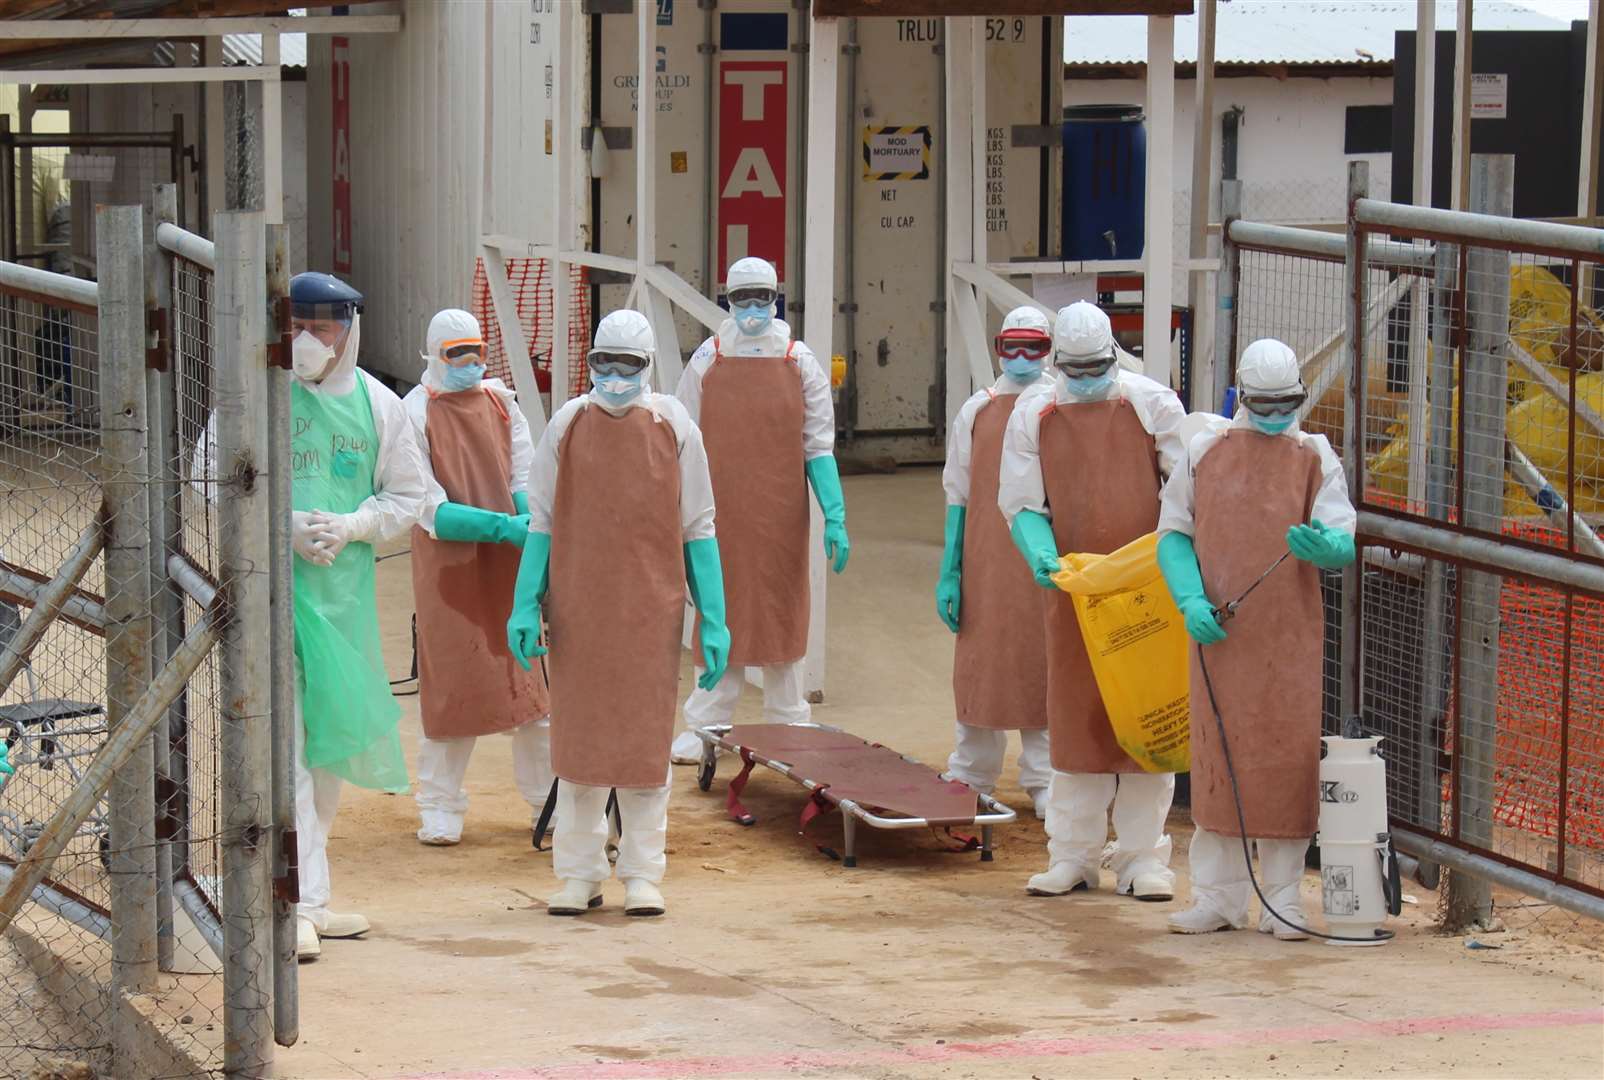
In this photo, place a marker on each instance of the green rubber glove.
(1177, 561)
(706, 578)
(1327, 548)
(520, 500)
(949, 587)
(523, 628)
(826, 481)
(6, 768)
(1033, 536)
(470, 524)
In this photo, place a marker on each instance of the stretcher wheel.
(704, 773)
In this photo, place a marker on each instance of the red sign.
(752, 107)
(341, 78)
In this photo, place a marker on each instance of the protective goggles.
(1024, 344)
(462, 351)
(615, 363)
(1283, 404)
(747, 295)
(1082, 366)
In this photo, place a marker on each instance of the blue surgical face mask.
(1271, 425)
(753, 319)
(618, 390)
(465, 377)
(1022, 370)
(1090, 386)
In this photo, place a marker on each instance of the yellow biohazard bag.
(1136, 640)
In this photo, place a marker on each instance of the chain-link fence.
(135, 836)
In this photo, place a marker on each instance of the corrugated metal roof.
(247, 49)
(1285, 32)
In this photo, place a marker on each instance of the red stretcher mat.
(844, 767)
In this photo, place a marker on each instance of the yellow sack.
(1136, 640)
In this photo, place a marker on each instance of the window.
(1367, 130)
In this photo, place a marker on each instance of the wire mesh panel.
(531, 283)
(1486, 423)
(120, 882)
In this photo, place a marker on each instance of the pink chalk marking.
(1075, 1046)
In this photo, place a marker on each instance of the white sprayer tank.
(1353, 836)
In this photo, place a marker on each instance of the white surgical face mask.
(310, 358)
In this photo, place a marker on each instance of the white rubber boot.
(1063, 878)
(1153, 887)
(307, 946)
(575, 898)
(687, 749)
(1038, 799)
(1200, 918)
(1289, 904)
(641, 897)
(343, 926)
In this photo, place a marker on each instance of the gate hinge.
(278, 344)
(287, 886)
(156, 339)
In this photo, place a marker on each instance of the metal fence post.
(286, 992)
(1226, 282)
(1482, 403)
(125, 465)
(167, 627)
(1353, 440)
(244, 571)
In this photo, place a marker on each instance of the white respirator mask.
(310, 358)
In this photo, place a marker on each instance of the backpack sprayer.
(1359, 877)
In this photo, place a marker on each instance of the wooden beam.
(955, 8)
(1592, 112)
(120, 76)
(1158, 252)
(111, 29)
(1459, 193)
(1425, 97)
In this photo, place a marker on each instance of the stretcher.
(866, 781)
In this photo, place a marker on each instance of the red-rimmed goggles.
(1024, 344)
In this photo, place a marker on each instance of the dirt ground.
(774, 960)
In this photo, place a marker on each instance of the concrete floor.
(774, 960)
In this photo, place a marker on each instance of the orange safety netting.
(1531, 705)
(531, 283)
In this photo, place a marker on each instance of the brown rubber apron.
(1100, 468)
(752, 427)
(615, 606)
(999, 667)
(1249, 489)
(468, 682)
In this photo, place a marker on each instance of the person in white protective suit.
(621, 522)
(763, 405)
(999, 676)
(358, 478)
(465, 553)
(1245, 495)
(1084, 458)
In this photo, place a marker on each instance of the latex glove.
(1177, 561)
(1033, 536)
(949, 587)
(520, 501)
(1327, 548)
(523, 628)
(705, 576)
(342, 529)
(310, 540)
(471, 524)
(826, 481)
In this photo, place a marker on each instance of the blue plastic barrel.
(1105, 178)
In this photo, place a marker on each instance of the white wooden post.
(1203, 359)
(824, 54)
(1158, 255)
(1425, 97)
(216, 143)
(565, 106)
(1459, 196)
(1420, 294)
(958, 161)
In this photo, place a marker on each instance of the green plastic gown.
(350, 715)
